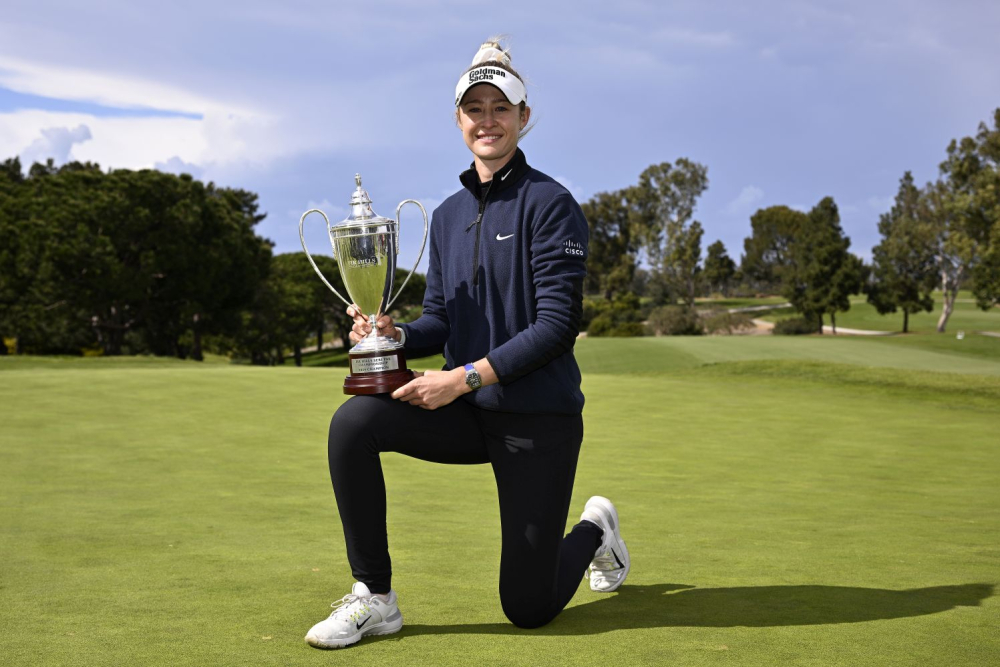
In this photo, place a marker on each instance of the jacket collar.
(510, 174)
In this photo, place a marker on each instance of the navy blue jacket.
(505, 282)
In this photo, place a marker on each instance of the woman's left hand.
(433, 389)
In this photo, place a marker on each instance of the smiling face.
(490, 125)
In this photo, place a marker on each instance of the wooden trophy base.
(379, 372)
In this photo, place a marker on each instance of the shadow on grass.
(679, 605)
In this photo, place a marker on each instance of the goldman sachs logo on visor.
(485, 74)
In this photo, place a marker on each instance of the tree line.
(945, 236)
(144, 262)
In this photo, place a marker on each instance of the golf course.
(800, 500)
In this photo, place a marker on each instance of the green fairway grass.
(979, 347)
(58, 362)
(862, 315)
(786, 501)
(979, 355)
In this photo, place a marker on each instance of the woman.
(504, 298)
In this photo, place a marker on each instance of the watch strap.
(472, 377)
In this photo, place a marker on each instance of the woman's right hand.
(361, 328)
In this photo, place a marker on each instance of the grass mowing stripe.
(973, 345)
(672, 353)
(955, 390)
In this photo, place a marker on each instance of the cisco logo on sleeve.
(574, 248)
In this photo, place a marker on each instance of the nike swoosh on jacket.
(523, 313)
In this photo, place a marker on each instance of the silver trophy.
(365, 246)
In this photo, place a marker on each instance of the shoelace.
(604, 562)
(350, 606)
(603, 567)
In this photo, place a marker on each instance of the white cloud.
(225, 137)
(175, 165)
(114, 90)
(56, 143)
(225, 133)
(745, 201)
(131, 142)
(322, 96)
(121, 142)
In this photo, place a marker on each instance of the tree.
(904, 267)
(328, 309)
(10, 170)
(964, 206)
(407, 306)
(411, 297)
(612, 252)
(986, 275)
(847, 280)
(821, 274)
(719, 268)
(296, 308)
(130, 261)
(233, 260)
(766, 252)
(617, 317)
(36, 222)
(181, 259)
(665, 202)
(293, 304)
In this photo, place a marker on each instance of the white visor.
(509, 85)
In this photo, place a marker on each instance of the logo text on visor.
(508, 83)
(485, 74)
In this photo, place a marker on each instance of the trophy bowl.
(366, 246)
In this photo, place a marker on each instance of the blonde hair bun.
(491, 51)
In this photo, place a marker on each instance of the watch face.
(472, 379)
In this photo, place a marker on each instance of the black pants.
(534, 462)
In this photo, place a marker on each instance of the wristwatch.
(472, 377)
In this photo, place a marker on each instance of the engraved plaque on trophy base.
(377, 372)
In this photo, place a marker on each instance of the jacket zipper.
(478, 222)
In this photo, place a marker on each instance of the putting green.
(779, 510)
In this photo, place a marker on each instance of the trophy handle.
(423, 243)
(302, 237)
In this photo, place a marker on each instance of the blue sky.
(785, 102)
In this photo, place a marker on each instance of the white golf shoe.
(355, 615)
(611, 561)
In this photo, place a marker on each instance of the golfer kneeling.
(504, 299)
